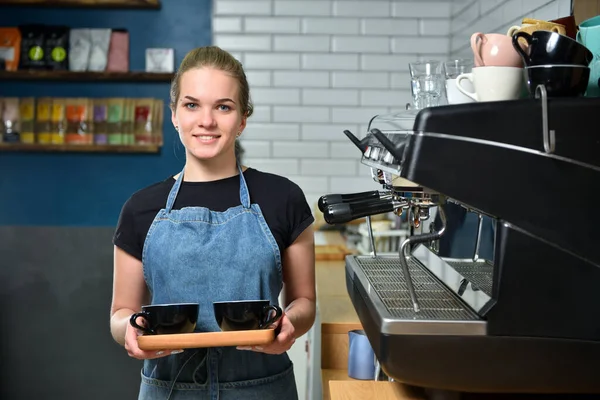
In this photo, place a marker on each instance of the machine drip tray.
(383, 288)
(436, 301)
(446, 345)
(479, 273)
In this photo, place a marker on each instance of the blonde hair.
(217, 58)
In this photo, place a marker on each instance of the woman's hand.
(131, 345)
(283, 341)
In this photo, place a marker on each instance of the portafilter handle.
(341, 213)
(362, 144)
(330, 199)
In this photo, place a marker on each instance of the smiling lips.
(206, 138)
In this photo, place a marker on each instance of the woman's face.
(208, 113)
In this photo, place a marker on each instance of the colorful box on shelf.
(81, 121)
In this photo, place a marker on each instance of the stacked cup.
(498, 71)
(556, 61)
(530, 25)
(589, 36)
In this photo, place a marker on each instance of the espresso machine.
(525, 319)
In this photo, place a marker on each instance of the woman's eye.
(223, 107)
(191, 106)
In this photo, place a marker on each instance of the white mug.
(493, 83)
(454, 95)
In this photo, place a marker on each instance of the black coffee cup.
(246, 314)
(547, 48)
(165, 319)
(559, 80)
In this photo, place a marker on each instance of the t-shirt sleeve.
(125, 236)
(298, 212)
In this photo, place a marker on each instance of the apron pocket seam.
(257, 382)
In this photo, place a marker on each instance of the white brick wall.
(496, 16)
(318, 67)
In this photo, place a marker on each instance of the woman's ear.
(243, 123)
(174, 119)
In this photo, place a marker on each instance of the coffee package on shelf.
(77, 112)
(43, 120)
(160, 60)
(115, 121)
(100, 128)
(128, 121)
(57, 48)
(157, 126)
(32, 47)
(80, 45)
(1, 119)
(100, 41)
(144, 113)
(27, 119)
(59, 123)
(10, 48)
(10, 120)
(118, 51)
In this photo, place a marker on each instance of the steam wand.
(478, 239)
(371, 238)
(418, 239)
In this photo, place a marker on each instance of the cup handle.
(476, 47)
(578, 37)
(272, 320)
(512, 30)
(555, 29)
(462, 77)
(515, 41)
(132, 321)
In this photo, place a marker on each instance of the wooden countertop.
(371, 390)
(335, 307)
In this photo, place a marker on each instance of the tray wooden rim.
(206, 339)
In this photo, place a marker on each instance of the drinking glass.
(453, 68)
(426, 83)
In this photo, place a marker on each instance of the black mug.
(551, 48)
(164, 319)
(245, 315)
(559, 80)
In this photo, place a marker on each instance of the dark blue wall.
(89, 189)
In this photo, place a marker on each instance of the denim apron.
(201, 256)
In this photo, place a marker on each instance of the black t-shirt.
(281, 201)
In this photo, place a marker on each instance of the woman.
(167, 251)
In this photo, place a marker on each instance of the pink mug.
(494, 50)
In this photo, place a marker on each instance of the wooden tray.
(331, 252)
(206, 339)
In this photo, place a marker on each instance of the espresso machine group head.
(522, 320)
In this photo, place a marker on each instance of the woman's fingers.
(134, 351)
(283, 341)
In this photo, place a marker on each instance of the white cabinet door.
(314, 390)
(298, 356)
